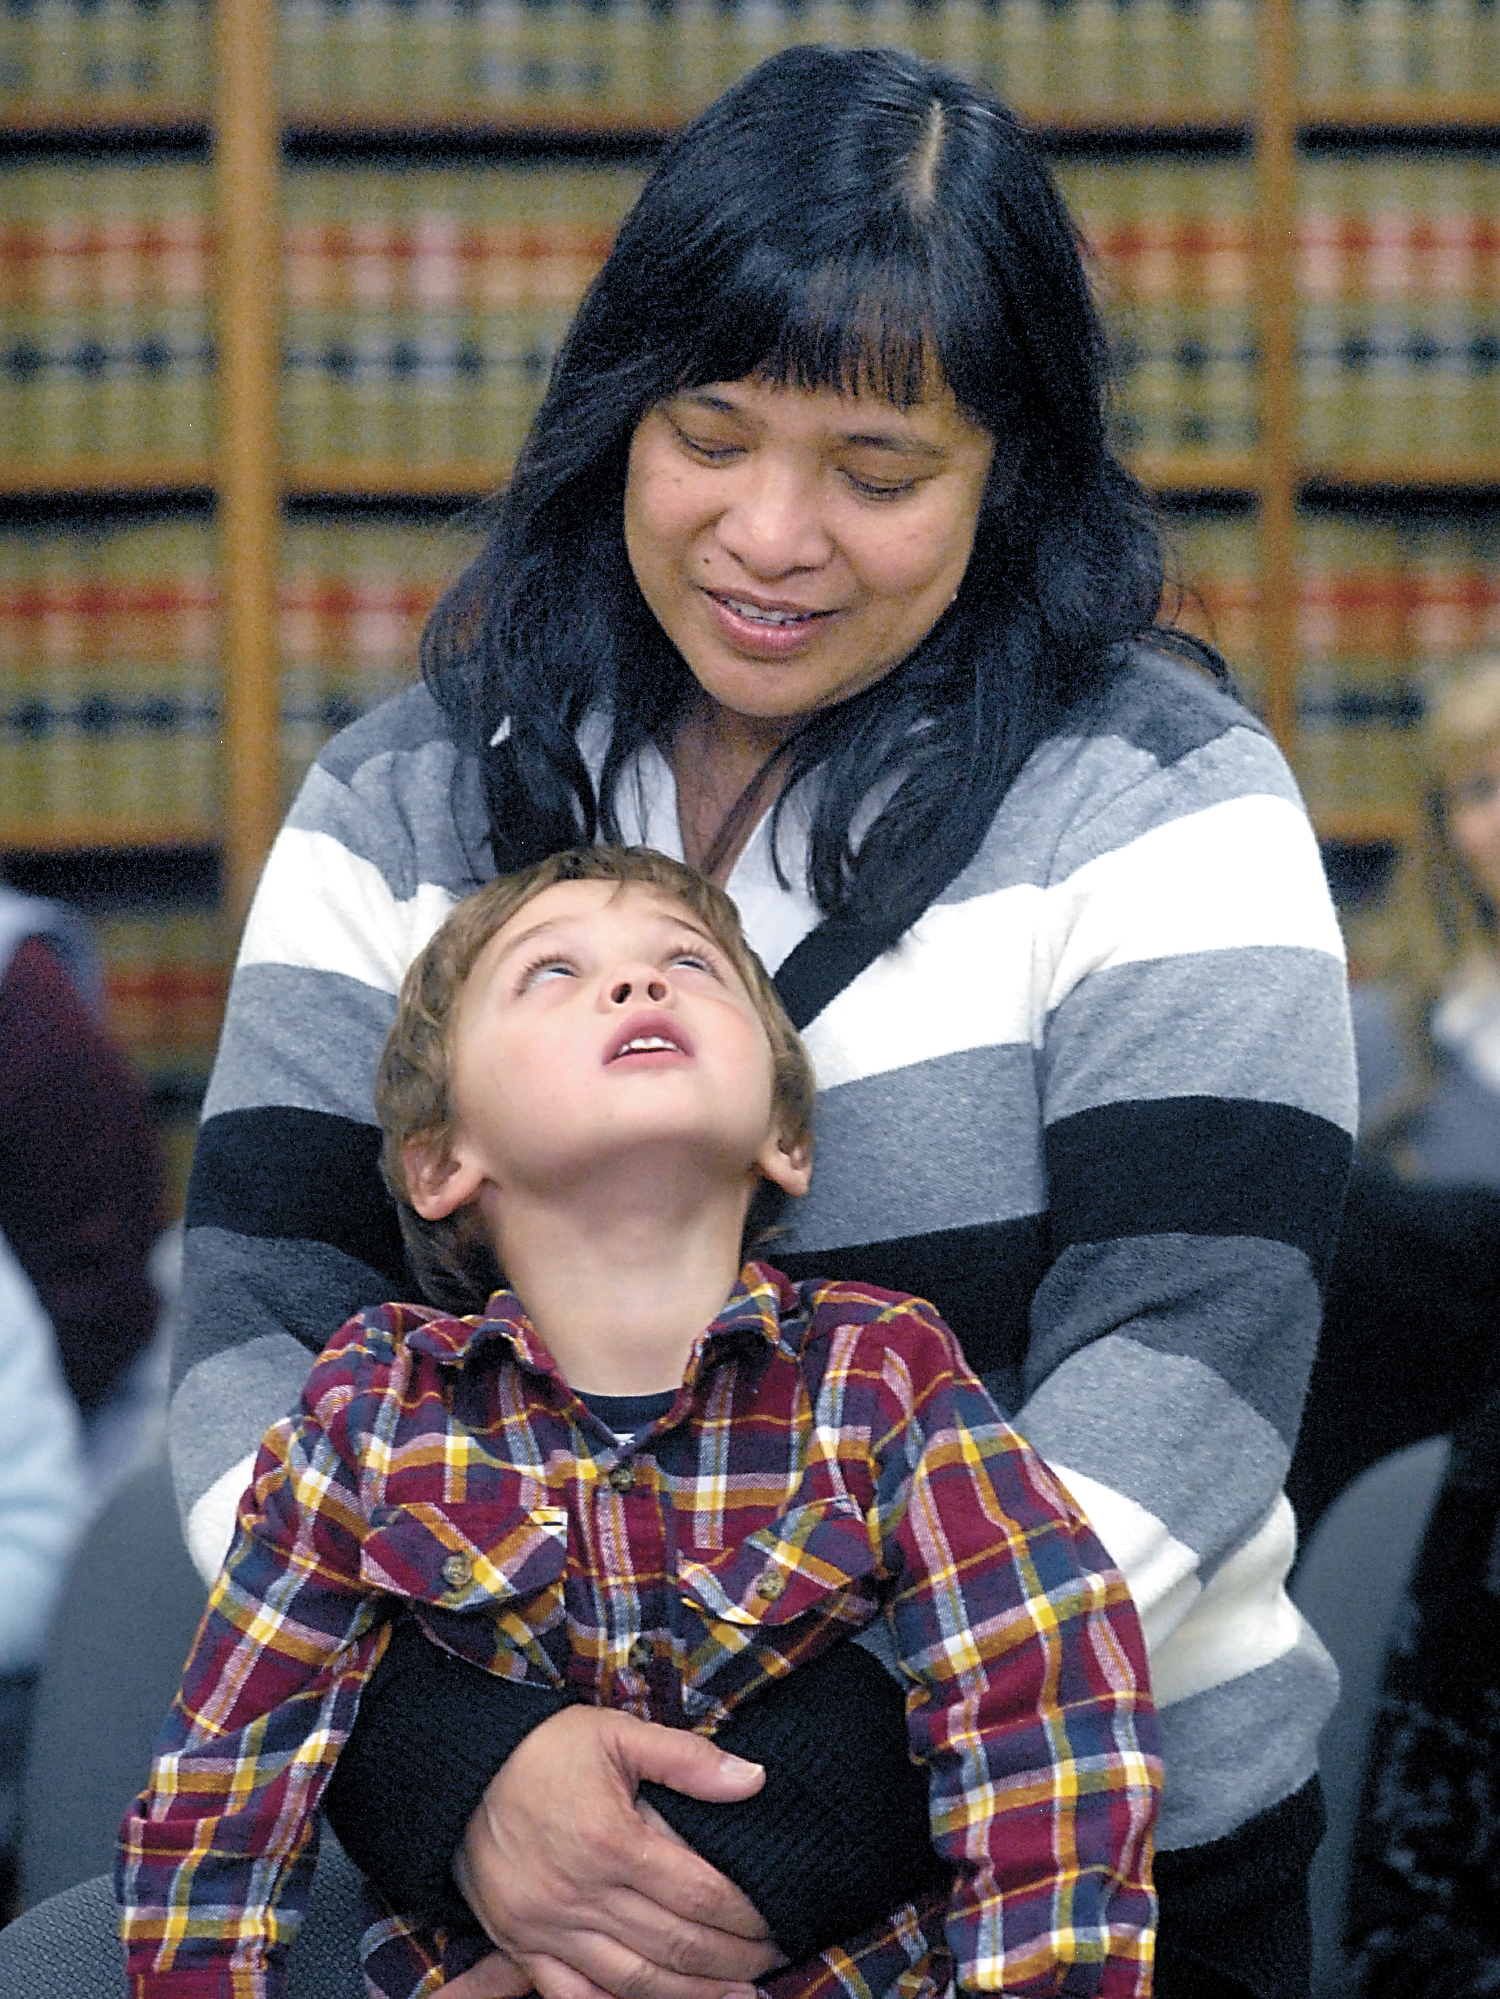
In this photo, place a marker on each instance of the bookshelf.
(1198, 137)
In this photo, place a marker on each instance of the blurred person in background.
(1411, 1327)
(1411, 1348)
(1428, 1028)
(44, 1502)
(82, 1377)
(81, 1185)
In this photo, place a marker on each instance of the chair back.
(120, 1633)
(1348, 1586)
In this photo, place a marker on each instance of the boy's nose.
(641, 985)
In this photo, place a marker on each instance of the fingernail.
(729, 1762)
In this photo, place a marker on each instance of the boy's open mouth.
(645, 1037)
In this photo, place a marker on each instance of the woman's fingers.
(497, 1976)
(570, 1878)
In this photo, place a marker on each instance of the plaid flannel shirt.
(828, 1459)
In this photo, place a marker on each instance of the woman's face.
(1474, 818)
(796, 544)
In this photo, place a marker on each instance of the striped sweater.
(1097, 1105)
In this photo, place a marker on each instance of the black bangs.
(861, 325)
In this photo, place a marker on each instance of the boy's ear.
(790, 1166)
(435, 1181)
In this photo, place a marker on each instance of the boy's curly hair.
(452, 1258)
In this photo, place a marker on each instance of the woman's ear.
(790, 1166)
(436, 1184)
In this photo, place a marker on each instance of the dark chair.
(120, 1633)
(1348, 1585)
(69, 1947)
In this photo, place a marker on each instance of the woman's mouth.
(766, 631)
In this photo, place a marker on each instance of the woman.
(1420, 1245)
(817, 569)
(1428, 1022)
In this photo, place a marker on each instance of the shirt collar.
(753, 1311)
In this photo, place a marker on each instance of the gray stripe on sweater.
(416, 812)
(270, 1286)
(1200, 1041)
(938, 1177)
(1230, 1753)
(228, 1402)
(311, 1010)
(1208, 1296)
(1222, 1466)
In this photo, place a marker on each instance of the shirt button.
(771, 1585)
(457, 1571)
(622, 1477)
(640, 1656)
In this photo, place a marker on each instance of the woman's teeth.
(758, 615)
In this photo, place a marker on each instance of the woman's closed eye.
(714, 451)
(880, 489)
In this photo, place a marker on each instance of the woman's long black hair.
(843, 219)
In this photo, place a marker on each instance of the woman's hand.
(589, 1895)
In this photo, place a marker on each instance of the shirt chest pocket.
(491, 1558)
(815, 1558)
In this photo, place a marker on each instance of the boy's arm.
(1029, 1704)
(215, 1858)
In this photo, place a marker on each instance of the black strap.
(828, 959)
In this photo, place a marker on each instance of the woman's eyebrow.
(902, 442)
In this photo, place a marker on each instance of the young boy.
(645, 1475)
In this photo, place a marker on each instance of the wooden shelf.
(106, 835)
(1364, 826)
(1198, 472)
(372, 124)
(383, 479)
(1354, 115)
(106, 475)
(142, 118)
(1179, 124)
(1406, 472)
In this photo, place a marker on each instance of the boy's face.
(598, 1026)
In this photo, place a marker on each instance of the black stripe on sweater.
(1204, 1166)
(297, 1175)
(980, 1278)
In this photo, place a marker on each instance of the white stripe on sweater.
(322, 908)
(1237, 875)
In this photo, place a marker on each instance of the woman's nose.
(638, 985)
(772, 525)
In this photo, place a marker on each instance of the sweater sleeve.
(1198, 1104)
(289, 1230)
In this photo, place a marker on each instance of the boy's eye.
(698, 961)
(542, 969)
